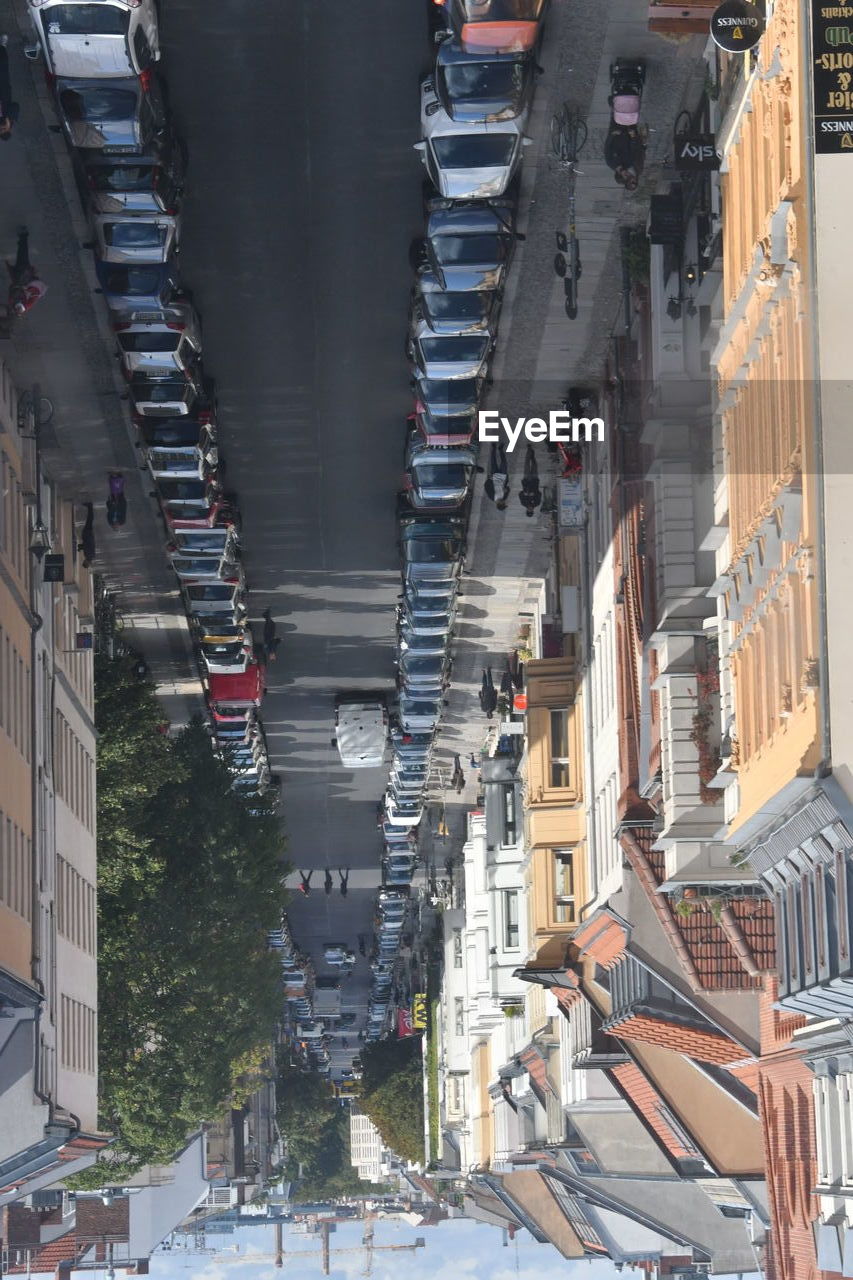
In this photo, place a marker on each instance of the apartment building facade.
(48, 918)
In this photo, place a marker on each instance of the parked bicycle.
(568, 137)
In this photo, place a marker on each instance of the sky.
(456, 1248)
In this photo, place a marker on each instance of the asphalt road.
(303, 196)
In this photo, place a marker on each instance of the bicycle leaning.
(568, 137)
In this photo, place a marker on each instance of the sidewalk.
(541, 352)
(65, 345)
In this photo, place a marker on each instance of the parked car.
(455, 356)
(196, 504)
(418, 714)
(437, 478)
(222, 655)
(107, 39)
(469, 247)
(483, 87)
(222, 599)
(174, 396)
(139, 292)
(111, 117)
(361, 730)
(448, 398)
(213, 542)
(152, 182)
(196, 462)
(177, 433)
(495, 26)
(432, 550)
(199, 568)
(454, 312)
(159, 346)
(135, 237)
(236, 697)
(442, 429)
(411, 642)
(423, 671)
(465, 160)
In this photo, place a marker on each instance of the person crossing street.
(25, 288)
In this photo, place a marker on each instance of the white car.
(468, 161)
(106, 39)
(157, 347)
(135, 237)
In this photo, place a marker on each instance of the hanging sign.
(832, 71)
(696, 151)
(737, 25)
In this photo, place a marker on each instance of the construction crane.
(280, 1255)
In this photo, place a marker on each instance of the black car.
(172, 433)
(483, 87)
(149, 183)
(112, 117)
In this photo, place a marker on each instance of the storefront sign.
(404, 1024)
(571, 508)
(54, 568)
(832, 68)
(696, 151)
(419, 1011)
(737, 25)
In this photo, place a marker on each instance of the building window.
(457, 948)
(459, 1015)
(510, 919)
(564, 886)
(509, 815)
(559, 747)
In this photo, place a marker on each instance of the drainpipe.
(825, 766)
(591, 837)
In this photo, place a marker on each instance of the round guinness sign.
(737, 25)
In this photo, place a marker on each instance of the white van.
(361, 730)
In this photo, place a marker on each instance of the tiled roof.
(66, 1249)
(711, 945)
(651, 1108)
(704, 1046)
(602, 938)
(534, 1064)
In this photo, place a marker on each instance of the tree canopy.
(190, 879)
(392, 1094)
(315, 1128)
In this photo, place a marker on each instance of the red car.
(495, 26)
(235, 697)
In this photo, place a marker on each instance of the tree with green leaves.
(392, 1094)
(190, 879)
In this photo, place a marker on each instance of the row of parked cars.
(475, 106)
(101, 60)
(389, 924)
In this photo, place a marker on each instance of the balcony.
(593, 1047)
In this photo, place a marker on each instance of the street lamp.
(39, 539)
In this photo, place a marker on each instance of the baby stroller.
(626, 91)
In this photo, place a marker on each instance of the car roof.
(452, 221)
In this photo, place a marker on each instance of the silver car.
(468, 161)
(135, 237)
(438, 479)
(174, 395)
(418, 715)
(453, 312)
(449, 356)
(109, 39)
(158, 347)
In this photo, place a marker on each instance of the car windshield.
(436, 476)
(450, 394)
(501, 10)
(132, 281)
(423, 664)
(232, 649)
(149, 341)
(121, 177)
(213, 541)
(471, 306)
(469, 250)
(454, 350)
(86, 20)
(96, 104)
(159, 392)
(187, 489)
(135, 234)
(474, 150)
(459, 424)
(214, 591)
(483, 81)
(433, 550)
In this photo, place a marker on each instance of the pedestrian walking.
(496, 484)
(343, 873)
(530, 495)
(305, 886)
(625, 154)
(362, 945)
(473, 761)
(87, 536)
(488, 694)
(25, 288)
(9, 109)
(116, 502)
(328, 882)
(508, 685)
